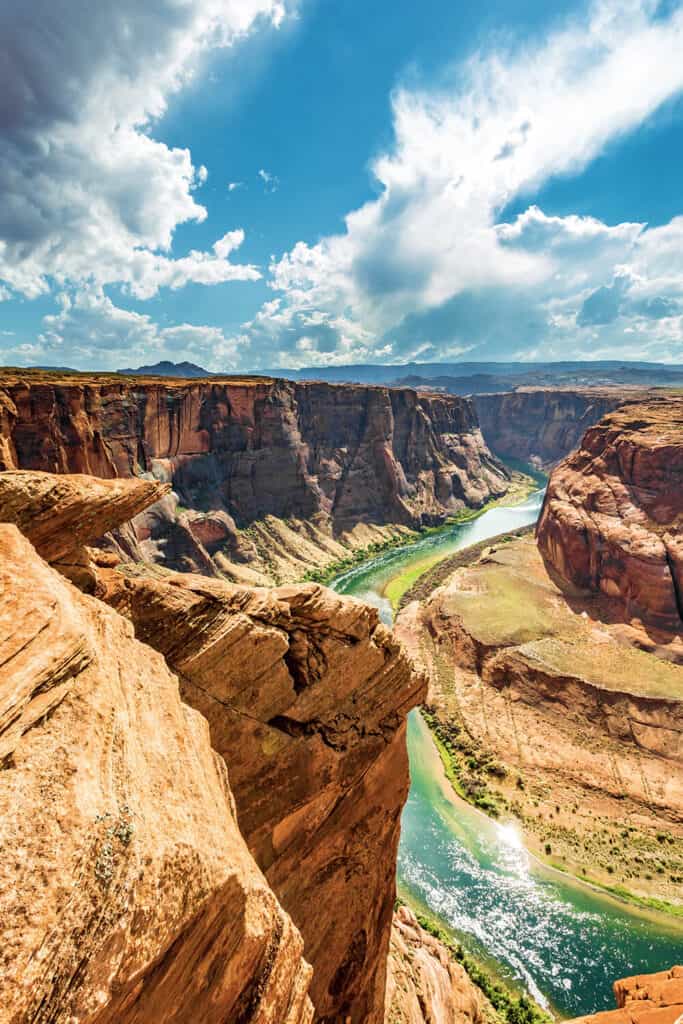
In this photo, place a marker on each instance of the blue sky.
(431, 181)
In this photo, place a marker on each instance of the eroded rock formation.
(611, 522)
(306, 695)
(149, 878)
(424, 983)
(329, 456)
(543, 425)
(61, 514)
(644, 999)
(127, 891)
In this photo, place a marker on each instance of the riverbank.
(510, 1006)
(454, 751)
(522, 487)
(530, 702)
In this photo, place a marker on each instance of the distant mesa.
(166, 368)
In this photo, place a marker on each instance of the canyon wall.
(611, 521)
(306, 695)
(571, 723)
(245, 451)
(543, 424)
(127, 893)
(159, 889)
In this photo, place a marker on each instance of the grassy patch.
(328, 573)
(467, 766)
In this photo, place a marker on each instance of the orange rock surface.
(127, 893)
(644, 999)
(541, 424)
(306, 695)
(424, 984)
(335, 456)
(612, 518)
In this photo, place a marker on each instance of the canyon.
(541, 425)
(203, 776)
(269, 478)
(555, 664)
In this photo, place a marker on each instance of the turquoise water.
(562, 941)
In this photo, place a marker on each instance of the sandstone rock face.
(424, 983)
(543, 424)
(127, 893)
(61, 514)
(336, 454)
(611, 522)
(306, 696)
(644, 999)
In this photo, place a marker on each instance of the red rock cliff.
(306, 696)
(543, 424)
(613, 512)
(258, 447)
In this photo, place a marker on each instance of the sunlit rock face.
(306, 694)
(332, 456)
(581, 720)
(543, 425)
(644, 999)
(127, 893)
(612, 517)
(424, 983)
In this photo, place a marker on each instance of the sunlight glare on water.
(564, 942)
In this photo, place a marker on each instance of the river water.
(562, 941)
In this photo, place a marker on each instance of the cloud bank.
(428, 270)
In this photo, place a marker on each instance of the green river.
(538, 929)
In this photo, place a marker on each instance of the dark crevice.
(674, 582)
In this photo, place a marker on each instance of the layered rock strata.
(127, 893)
(542, 425)
(556, 717)
(612, 517)
(644, 999)
(306, 696)
(247, 451)
(60, 515)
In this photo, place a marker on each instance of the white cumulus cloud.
(426, 267)
(87, 193)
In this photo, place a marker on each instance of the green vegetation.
(467, 766)
(342, 565)
(121, 829)
(511, 1008)
(646, 902)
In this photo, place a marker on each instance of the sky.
(252, 184)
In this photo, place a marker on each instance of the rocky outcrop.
(127, 893)
(611, 521)
(644, 999)
(61, 514)
(332, 455)
(306, 696)
(542, 425)
(425, 985)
